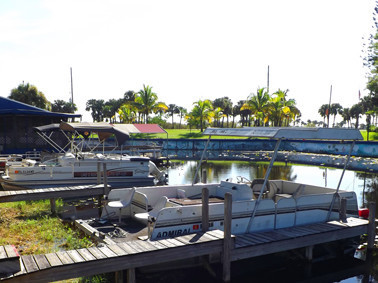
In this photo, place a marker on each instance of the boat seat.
(151, 215)
(181, 194)
(299, 191)
(125, 197)
(256, 188)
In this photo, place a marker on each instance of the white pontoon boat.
(259, 205)
(72, 166)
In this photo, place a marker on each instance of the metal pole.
(341, 178)
(264, 184)
(72, 102)
(199, 165)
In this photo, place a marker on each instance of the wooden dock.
(138, 253)
(52, 193)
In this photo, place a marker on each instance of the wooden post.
(227, 237)
(343, 209)
(131, 275)
(106, 190)
(53, 205)
(98, 173)
(205, 209)
(371, 227)
(309, 253)
(204, 176)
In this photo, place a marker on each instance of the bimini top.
(288, 133)
(104, 130)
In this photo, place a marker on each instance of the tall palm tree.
(172, 110)
(282, 111)
(127, 113)
(323, 111)
(203, 110)
(147, 100)
(258, 104)
(334, 110)
(183, 112)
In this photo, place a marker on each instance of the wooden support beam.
(227, 238)
(131, 275)
(98, 173)
(343, 209)
(371, 226)
(53, 205)
(205, 209)
(309, 253)
(204, 176)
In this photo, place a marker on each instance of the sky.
(187, 50)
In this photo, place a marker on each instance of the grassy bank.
(32, 229)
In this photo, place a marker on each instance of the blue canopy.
(13, 107)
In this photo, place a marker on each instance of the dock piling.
(227, 237)
(205, 209)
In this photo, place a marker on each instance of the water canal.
(280, 267)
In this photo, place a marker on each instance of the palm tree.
(355, 112)
(183, 113)
(334, 110)
(258, 104)
(147, 100)
(127, 113)
(203, 111)
(282, 110)
(218, 114)
(323, 111)
(345, 113)
(172, 110)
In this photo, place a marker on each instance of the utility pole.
(72, 102)
(268, 81)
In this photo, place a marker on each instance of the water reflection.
(363, 184)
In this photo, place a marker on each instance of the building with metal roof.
(17, 121)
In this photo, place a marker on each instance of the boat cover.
(288, 133)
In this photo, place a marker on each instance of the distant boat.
(72, 166)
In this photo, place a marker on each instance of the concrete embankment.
(320, 153)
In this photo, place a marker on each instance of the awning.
(13, 107)
(140, 128)
(104, 130)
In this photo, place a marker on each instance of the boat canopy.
(288, 133)
(104, 130)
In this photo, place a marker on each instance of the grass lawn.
(32, 229)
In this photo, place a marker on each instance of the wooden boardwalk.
(134, 254)
(52, 193)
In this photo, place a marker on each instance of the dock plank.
(42, 262)
(29, 263)
(85, 254)
(53, 259)
(3, 253)
(117, 250)
(64, 257)
(96, 253)
(128, 248)
(108, 252)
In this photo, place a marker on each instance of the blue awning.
(13, 107)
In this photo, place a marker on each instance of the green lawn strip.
(32, 229)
